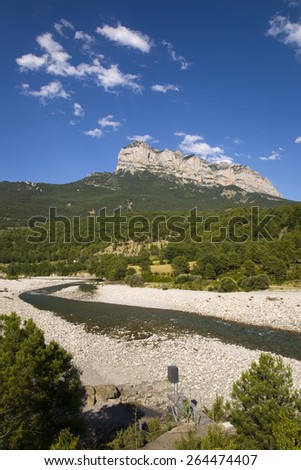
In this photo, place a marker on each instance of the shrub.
(228, 285)
(259, 282)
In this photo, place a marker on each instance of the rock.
(106, 392)
(90, 395)
(139, 157)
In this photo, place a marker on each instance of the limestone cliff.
(140, 157)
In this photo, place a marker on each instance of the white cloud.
(286, 31)
(108, 78)
(95, 133)
(56, 62)
(61, 25)
(86, 39)
(107, 121)
(46, 92)
(78, 110)
(31, 62)
(175, 57)
(237, 141)
(298, 140)
(165, 88)
(57, 59)
(126, 37)
(143, 138)
(194, 144)
(275, 155)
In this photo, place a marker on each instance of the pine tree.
(40, 388)
(259, 399)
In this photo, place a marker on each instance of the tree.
(180, 265)
(259, 397)
(40, 388)
(277, 268)
(249, 268)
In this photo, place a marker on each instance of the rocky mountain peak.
(139, 156)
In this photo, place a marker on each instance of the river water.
(134, 323)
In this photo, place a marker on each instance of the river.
(137, 323)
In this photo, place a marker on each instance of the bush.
(228, 285)
(215, 439)
(134, 280)
(259, 282)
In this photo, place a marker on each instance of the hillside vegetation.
(226, 251)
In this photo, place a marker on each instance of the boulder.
(106, 392)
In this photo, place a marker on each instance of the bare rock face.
(140, 157)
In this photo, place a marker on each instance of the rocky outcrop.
(140, 157)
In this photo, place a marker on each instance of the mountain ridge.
(138, 156)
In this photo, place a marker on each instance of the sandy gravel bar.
(277, 309)
(207, 366)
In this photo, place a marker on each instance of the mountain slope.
(140, 192)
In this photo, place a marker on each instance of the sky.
(82, 79)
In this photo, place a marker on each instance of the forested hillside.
(196, 250)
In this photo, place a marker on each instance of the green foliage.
(134, 280)
(279, 259)
(249, 268)
(228, 285)
(40, 388)
(276, 268)
(287, 432)
(219, 410)
(259, 397)
(215, 439)
(180, 265)
(259, 282)
(65, 441)
(135, 437)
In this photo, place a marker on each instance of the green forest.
(238, 249)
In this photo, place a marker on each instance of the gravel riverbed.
(207, 366)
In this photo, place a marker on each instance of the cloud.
(275, 155)
(298, 140)
(46, 92)
(175, 57)
(86, 39)
(165, 88)
(31, 62)
(56, 62)
(109, 78)
(286, 31)
(78, 110)
(126, 37)
(106, 121)
(143, 138)
(61, 25)
(237, 141)
(194, 144)
(293, 3)
(95, 133)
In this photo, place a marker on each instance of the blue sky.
(219, 78)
